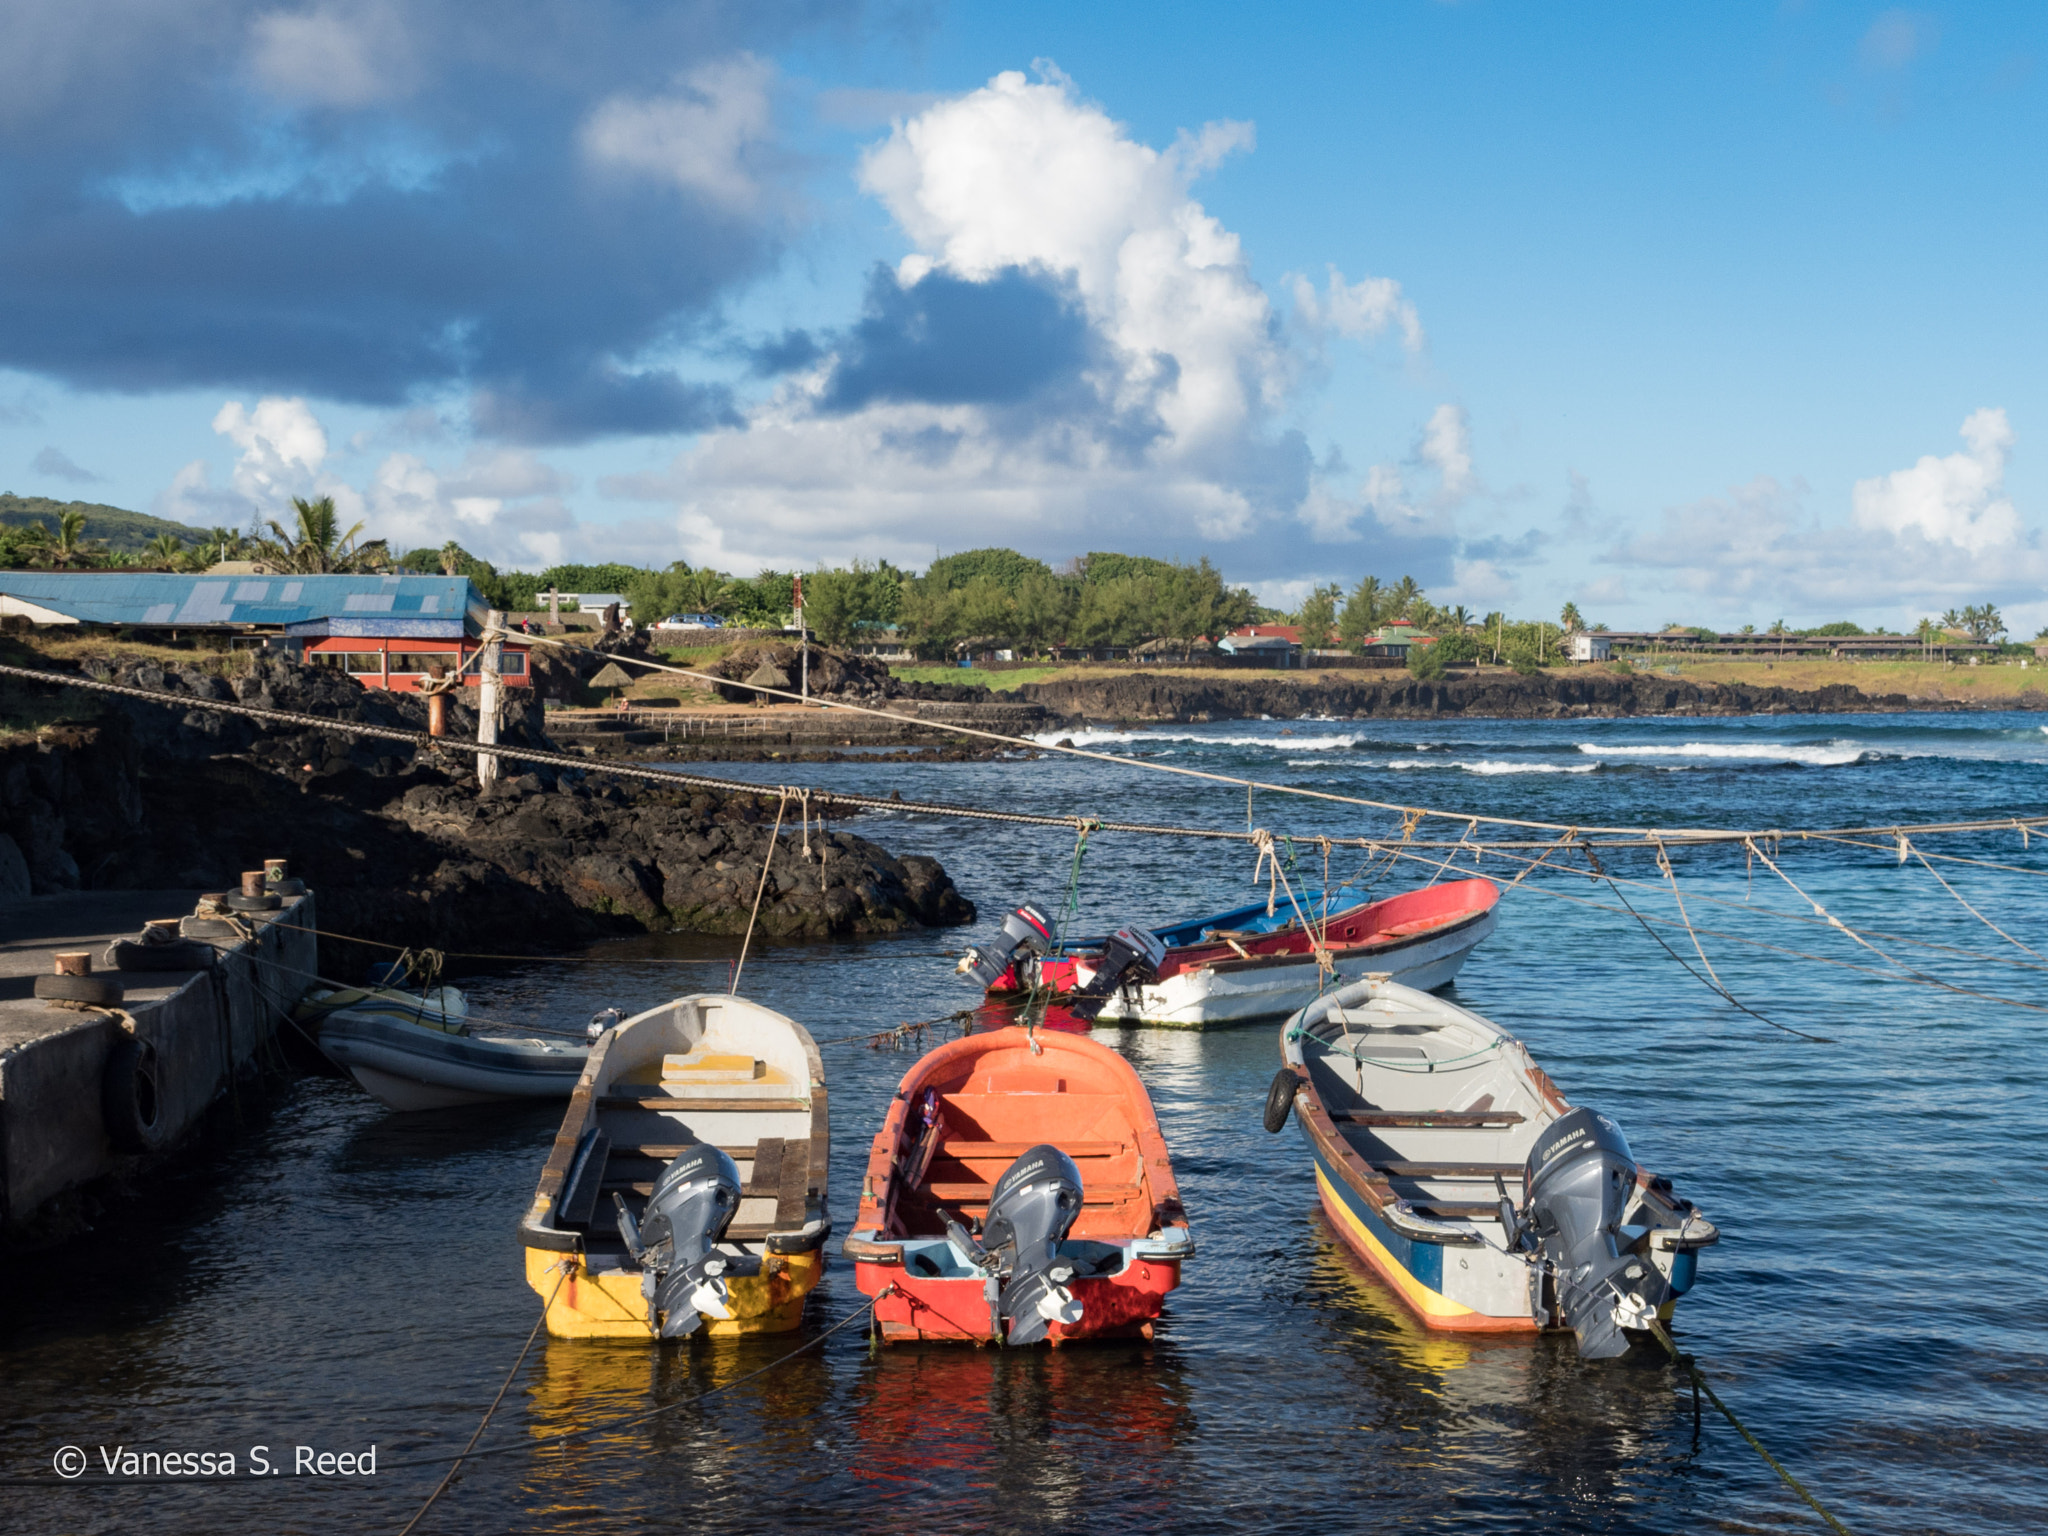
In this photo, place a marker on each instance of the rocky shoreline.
(1583, 693)
(401, 845)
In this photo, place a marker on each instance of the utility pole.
(490, 695)
(803, 640)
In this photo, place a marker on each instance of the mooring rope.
(1701, 1384)
(766, 863)
(565, 1267)
(1644, 837)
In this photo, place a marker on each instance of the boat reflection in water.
(1525, 1415)
(1016, 1439)
(711, 1456)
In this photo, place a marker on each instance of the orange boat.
(1019, 1190)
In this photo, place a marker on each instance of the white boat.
(414, 1050)
(1456, 1168)
(687, 1184)
(1214, 973)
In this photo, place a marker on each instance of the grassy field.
(1916, 679)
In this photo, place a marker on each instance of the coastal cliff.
(1492, 695)
(401, 844)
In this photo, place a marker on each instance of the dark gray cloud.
(59, 465)
(1017, 336)
(358, 200)
(1502, 550)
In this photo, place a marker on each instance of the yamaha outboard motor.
(1030, 1213)
(1026, 931)
(1130, 958)
(1577, 1187)
(682, 1273)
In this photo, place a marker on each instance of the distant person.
(626, 624)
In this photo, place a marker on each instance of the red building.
(400, 663)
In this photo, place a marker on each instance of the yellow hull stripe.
(609, 1305)
(1419, 1296)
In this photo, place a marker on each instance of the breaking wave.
(1489, 765)
(1833, 754)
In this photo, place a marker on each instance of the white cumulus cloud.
(283, 446)
(1959, 499)
(1359, 311)
(1152, 377)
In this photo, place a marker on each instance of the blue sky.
(1716, 315)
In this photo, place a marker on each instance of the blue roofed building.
(385, 631)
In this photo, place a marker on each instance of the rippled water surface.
(338, 1276)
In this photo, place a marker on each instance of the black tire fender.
(236, 902)
(96, 991)
(1280, 1098)
(131, 1097)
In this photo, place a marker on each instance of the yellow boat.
(660, 1091)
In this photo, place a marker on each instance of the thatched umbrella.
(612, 676)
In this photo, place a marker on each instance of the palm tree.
(319, 546)
(451, 558)
(70, 536)
(1403, 598)
(165, 548)
(1459, 618)
(1571, 620)
(702, 589)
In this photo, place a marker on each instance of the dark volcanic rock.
(1494, 695)
(400, 843)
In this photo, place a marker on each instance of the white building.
(1587, 646)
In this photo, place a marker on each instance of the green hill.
(129, 532)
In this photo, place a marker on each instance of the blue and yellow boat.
(1456, 1168)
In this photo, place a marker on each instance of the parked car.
(677, 621)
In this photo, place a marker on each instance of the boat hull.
(607, 1304)
(935, 1309)
(1240, 993)
(408, 1066)
(1415, 1268)
(707, 1069)
(1420, 1117)
(962, 1118)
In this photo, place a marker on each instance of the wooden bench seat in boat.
(978, 1194)
(1422, 1120)
(1010, 1151)
(671, 1103)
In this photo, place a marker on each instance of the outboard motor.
(1577, 1186)
(1032, 1210)
(682, 1273)
(1026, 931)
(1132, 957)
(602, 1020)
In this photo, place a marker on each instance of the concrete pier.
(54, 1060)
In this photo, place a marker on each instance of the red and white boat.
(1019, 1190)
(1251, 964)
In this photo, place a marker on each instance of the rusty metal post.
(74, 962)
(437, 702)
(252, 882)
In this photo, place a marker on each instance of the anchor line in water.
(1700, 1384)
(561, 1278)
(1644, 838)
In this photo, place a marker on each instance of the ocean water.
(339, 1276)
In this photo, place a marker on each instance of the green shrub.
(1426, 662)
